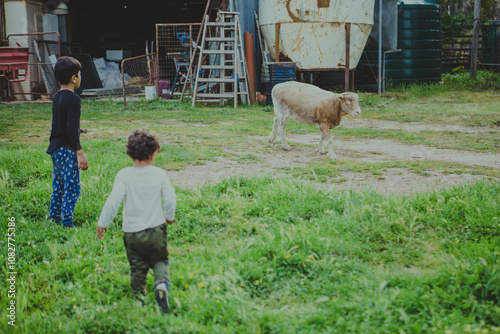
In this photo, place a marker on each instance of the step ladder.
(222, 72)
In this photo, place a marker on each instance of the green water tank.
(420, 38)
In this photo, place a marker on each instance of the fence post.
(475, 39)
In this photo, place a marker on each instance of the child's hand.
(83, 164)
(169, 222)
(100, 230)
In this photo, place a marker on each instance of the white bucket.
(150, 92)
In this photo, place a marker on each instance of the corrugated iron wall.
(247, 19)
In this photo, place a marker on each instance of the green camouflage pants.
(147, 249)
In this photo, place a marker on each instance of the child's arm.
(169, 200)
(111, 206)
(73, 129)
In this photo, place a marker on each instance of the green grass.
(200, 134)
(324, 171)
(262, 254)
(273, 255)
(465, 110)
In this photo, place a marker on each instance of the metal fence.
(175, 45)
(44, 49)
(139, 74)
(457, 41)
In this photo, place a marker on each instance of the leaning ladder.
(230, 72)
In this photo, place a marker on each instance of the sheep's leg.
(282, 119)
(274, 133)
(321, 149)
(331, 153)
(325, 135)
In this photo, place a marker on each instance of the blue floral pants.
(65, 186)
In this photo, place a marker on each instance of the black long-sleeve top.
(65, 121)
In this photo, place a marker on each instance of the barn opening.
(110, 31)
(96, 26)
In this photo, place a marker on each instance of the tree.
(490, 9)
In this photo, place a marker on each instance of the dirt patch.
(270, 159)
(398, 181)
(383, 150)
(216, 171)
(412, 127)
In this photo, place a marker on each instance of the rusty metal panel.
(312, 32)
(36, 83)
(143, 69)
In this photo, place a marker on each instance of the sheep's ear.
(341, 97)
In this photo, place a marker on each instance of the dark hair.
(65, 68)
(141, 145)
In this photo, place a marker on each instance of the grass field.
(260, 254)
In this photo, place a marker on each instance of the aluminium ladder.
(222, 68)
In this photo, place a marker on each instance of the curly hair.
(141, 145)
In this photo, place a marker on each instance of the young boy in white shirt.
(143, 187)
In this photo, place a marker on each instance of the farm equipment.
(14, 63)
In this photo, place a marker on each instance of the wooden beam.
(277, 43)
(347, 55)
(352, 81)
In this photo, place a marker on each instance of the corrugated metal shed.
(247, 21)
(247, 17)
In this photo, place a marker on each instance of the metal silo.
(312, 33)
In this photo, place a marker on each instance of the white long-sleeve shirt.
(143, 189)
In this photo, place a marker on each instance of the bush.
(462, 81)
(450, 83)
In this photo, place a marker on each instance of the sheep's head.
(349, 103)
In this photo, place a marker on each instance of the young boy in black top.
(64, 148)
